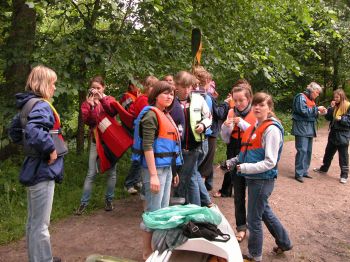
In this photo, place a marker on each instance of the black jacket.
(339, 129)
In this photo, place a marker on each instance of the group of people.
(305, 114)
(172, 127)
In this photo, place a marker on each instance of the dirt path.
(315, 213)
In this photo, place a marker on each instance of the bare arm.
(151, 165)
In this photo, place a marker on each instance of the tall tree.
(19, 49)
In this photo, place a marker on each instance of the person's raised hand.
(322, 110)
(236, 120)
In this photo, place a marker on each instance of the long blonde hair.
(39, 81)
(343, 104)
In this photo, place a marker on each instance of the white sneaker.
(132, 190)
(343, 180)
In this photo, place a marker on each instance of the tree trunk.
(336, 61)
(18, 54)
(19, 47)
(80, 131)
(325, 68)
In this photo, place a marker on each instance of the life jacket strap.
(165, 154)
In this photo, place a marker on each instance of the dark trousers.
(134, 175)
(226, 187)
(343, 153)
(239, 195)
(206, 167)
(232, 150)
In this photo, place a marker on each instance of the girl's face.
(169, 79)
(164, 100)
(52, 88)
(336, 98)
(97, 86)
(240, 100)
(261, 111)
(183, 91)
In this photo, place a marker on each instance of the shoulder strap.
(26, 109)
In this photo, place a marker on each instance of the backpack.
(206, 230)
(60, 145)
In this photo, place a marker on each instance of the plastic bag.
(174, 216)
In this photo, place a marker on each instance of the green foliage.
(67, 196)
(280, 46)
(220, 151)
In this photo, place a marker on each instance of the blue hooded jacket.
(40, 121)
(304, 117)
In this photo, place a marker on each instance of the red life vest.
(127, 99)
(237, 132)
(126, 117)
(309, 103)
(114, 136)
(131, 96)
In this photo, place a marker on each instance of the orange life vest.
(309, 103)
(237, 132)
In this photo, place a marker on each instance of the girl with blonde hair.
(36, 127)
(338, 139)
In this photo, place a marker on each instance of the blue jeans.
(40, 198)
(259, 191)
(134, 175)
(161, 199)
(203, 191)
(111, 181)
(191, 185)
(203, 151)
(303, 146)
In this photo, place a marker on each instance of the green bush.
(67, 196)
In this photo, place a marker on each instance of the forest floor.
(316, 214)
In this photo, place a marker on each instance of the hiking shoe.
(138, 186)
(299, 179)
(81, 209)
(131, 190)
(56, 259)
(247, 258)
(109, 205)
(278, 250)
(223, 165)
(343, 180)
(318, 170)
